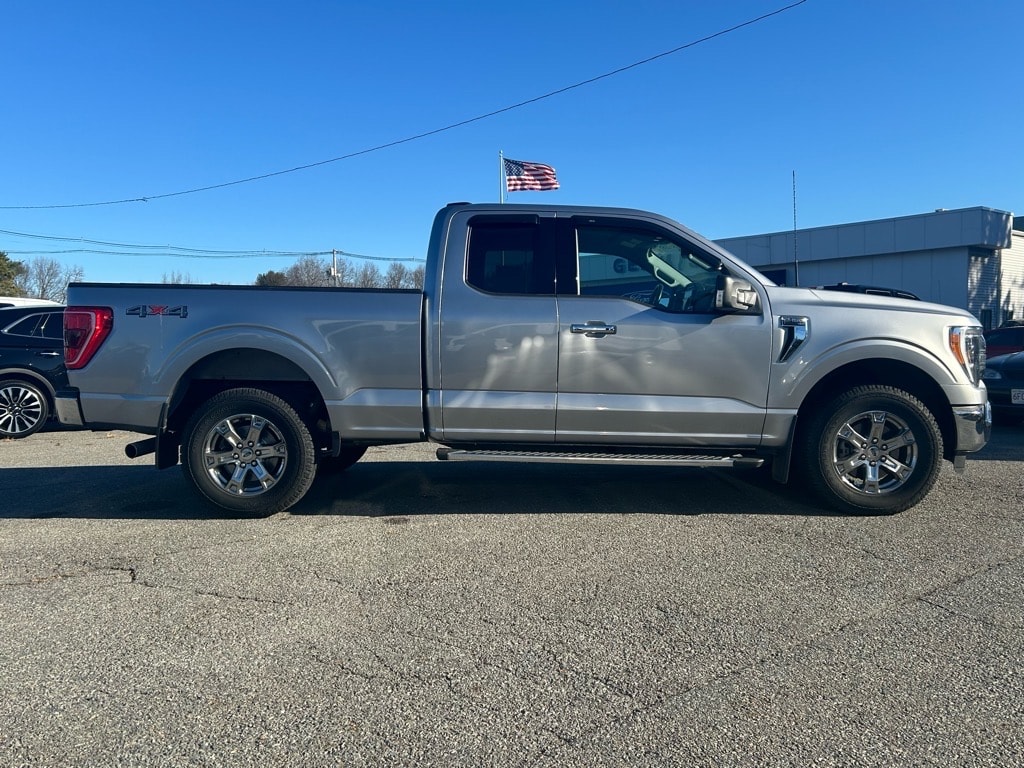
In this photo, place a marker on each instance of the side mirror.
(735, 295)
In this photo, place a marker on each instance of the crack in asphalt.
(134, 580)
(768, 658)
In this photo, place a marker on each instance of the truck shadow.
(377, 489)
(390, 489)
(402, 489)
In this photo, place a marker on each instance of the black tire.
(873, 450)
(348, 456)
(245, 473)
(24, 408)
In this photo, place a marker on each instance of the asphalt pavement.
(414, 612)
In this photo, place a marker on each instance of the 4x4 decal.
(145, 310)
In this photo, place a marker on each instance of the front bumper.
(973, 430)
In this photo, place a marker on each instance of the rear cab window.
(509, 257)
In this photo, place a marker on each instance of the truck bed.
(361, 348)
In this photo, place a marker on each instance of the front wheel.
(248, 452)
(872, 450)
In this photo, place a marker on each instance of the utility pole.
(796, 262)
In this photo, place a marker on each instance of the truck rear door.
(498, 332)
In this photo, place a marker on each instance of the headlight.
(991, 374)
(968, 346)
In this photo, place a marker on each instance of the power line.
(425, 134)
(135, 246)
(175, 251)
(211, 255)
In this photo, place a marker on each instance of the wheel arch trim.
(30, 375)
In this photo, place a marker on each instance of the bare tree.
(346, 274)
(47, 278)
(177, 278)
(414, 279)
(400, 276)
(369, 276)
(314, 271)
(310, 271)
(396, 276)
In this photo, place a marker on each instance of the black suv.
(31, 367)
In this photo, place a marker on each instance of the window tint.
(54, 327)
(506, 258)
(48, 325)
(645, 266)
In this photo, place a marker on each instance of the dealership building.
(971, 258)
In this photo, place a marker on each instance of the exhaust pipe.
(140, 448)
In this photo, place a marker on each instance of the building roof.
(979, 227)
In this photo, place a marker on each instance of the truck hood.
(806, 300)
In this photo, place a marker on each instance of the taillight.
(85, 329)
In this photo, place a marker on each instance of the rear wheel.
(24, 408)
(248, 452)
(872, 450)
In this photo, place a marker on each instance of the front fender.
(792, 381)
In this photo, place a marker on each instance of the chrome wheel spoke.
(871, 479)
(221, 458)
(255, 432)
(226, 429)
(894, 444)
(877, 425)
(264, 478)
(850, 465)
(849, 434)
(236, 483)
(897, 468)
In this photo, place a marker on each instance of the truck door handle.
(593, 329)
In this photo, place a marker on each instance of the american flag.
(520, 175)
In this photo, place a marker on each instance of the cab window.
(509, 258)
(645, 266)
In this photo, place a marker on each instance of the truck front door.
(644, 358)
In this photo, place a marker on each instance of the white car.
(18, 301)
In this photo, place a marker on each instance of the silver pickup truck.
(542, 333)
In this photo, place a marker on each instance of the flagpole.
(501, 177)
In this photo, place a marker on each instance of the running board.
(587, 457)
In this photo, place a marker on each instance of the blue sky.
(882, 109)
